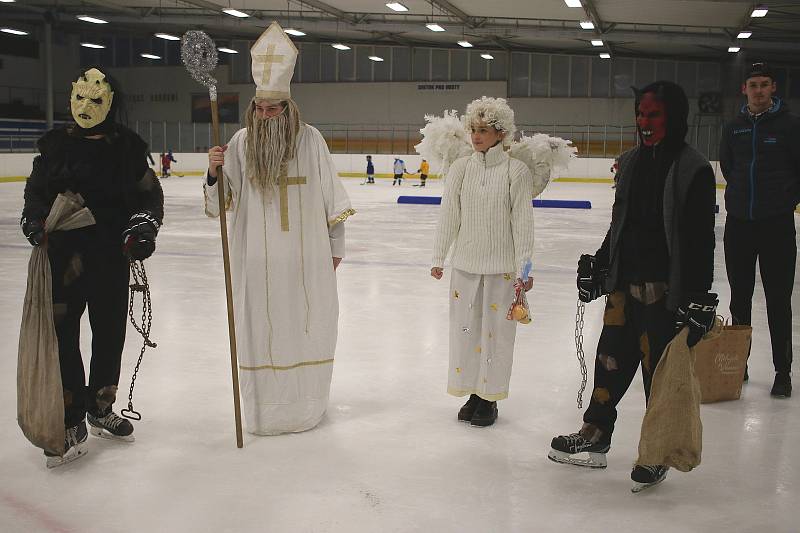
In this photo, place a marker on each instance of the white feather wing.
(444, 139)
(542, 154)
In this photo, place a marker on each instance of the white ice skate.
(575, 449)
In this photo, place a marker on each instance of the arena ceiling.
(630, 28)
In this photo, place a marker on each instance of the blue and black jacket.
(760, 160)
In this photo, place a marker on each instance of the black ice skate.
(576, 449)
(645, 476)
(468, 409)
(110, 426)
(74, 446)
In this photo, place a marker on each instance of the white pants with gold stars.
(481, 338)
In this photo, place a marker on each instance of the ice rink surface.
(389, 455)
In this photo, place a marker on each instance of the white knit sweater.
(486, 214)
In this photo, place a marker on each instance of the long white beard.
(270, 146)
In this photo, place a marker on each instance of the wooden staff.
(226, 261)
(199, 54)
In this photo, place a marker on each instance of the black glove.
(591, 278)
(139, 238)
(33, 230)
(697, 312)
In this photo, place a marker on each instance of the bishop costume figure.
(287, 236)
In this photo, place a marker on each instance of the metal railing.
(591, 140)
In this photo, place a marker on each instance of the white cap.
(273, 58)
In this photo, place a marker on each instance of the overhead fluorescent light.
(168, 37)
(759, 11)
(227, 50)
(150, 56)
(12, 31)
(597, 42)
(573, 3)
(7, 1)
(744, 35)
(396, 6)
(487, 56)
(93, 20)
(235, 13)
(733, 49)
(587, 24)
(605, 55)
(296, 33)
(434, 27)
(465, 44)
(92, 45)
(340, 46)
(375, 58)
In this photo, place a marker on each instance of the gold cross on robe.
(283, 186)
(268, 59)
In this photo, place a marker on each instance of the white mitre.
(273, 56)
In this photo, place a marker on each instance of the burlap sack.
(40, 400)
(720, 363)
(672, 433)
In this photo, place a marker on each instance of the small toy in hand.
(519, 309)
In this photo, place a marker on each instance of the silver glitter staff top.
(199, 55)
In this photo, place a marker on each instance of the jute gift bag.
(720, 363)
(40, 396)
(672, 433)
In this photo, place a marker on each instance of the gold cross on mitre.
(283, 187)
(273, 58)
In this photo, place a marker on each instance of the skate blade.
(76, 452)
(594, 460)
(104, 434)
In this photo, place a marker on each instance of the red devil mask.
(651, 118)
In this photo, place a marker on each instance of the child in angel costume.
(487, 219)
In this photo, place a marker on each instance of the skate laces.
(111, 420)
(576, 441)
(654, 470)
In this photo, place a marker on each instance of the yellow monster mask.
(91, 99)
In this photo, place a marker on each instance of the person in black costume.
(656, 264)
(106, 163)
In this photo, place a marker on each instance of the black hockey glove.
(697, 312)
(591, 278)
(33, 230)
(139, 238)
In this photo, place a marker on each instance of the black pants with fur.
(772, 241)
(633, 333)
(86, 275)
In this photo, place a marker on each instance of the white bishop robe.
(285, 302)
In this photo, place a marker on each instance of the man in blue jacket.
(760, 159)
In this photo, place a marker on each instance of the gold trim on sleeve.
(341, 218)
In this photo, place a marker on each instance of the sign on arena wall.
(439, 87)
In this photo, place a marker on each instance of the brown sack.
(721, 362)
(40, 400)
(672, 433)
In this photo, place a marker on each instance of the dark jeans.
(88, 275)
(772, 242)
(632, 333)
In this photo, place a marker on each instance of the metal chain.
(579, 347)
(139, 284)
